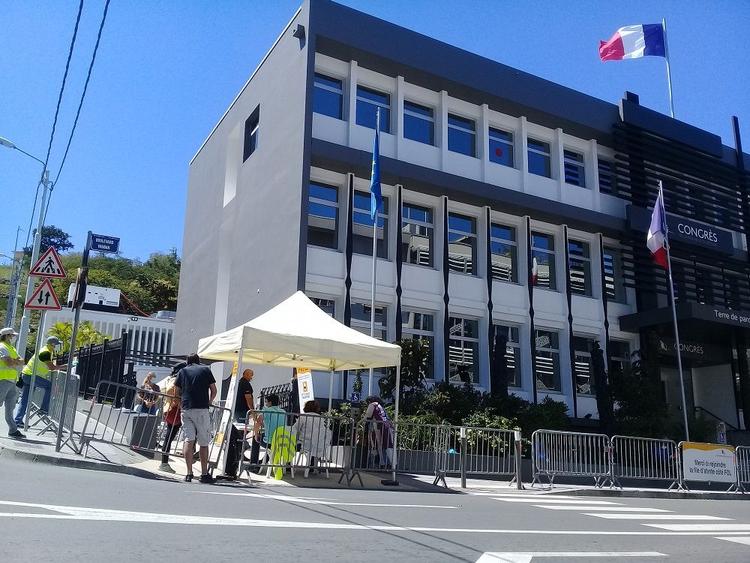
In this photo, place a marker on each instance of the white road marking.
(652, 517)
(521, 495)
(599, 508)
(309, 500)
(721, 528)
(744, 540)
(78, 513)
(558, 501)
(527, 556)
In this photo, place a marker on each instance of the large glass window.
(579, 268)
(501, 147)
(512, 353)
(361, 322)
(463, 350)
(362, 226)
(543, 259)
(462, 135)
(607, 177)
(416, 325)
(619, 357)
(614, 284)
(327, 305)
(575, 172)
(462, 244)
(323, 215)
(539, 158)
(417, 234)
(419, 123)
(504, 250)
(547, 360)
(368, 102)
(328, 96)
(582, 362)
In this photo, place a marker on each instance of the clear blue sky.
(166, 71)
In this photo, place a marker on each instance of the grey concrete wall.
(242, 223)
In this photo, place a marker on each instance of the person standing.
(147, 396)
(197, 388)
(41, 363)
(9, 364)
(245, 402)
(172, 417)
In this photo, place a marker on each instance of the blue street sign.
(104, 243)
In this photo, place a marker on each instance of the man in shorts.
(197, 388)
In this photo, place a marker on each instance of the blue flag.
(376, 196)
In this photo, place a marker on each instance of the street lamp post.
(23, 331)
(15, 275)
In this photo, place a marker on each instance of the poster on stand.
(708, 462)
(305, 386)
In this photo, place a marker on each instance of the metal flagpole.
(374, 255)
(674, 315)
(669, 72)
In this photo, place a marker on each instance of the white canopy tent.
(297, 333)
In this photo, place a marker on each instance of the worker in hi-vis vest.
(10, 362)
(41, 363)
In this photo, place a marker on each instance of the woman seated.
(312, 433)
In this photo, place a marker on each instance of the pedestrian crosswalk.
(614, 511)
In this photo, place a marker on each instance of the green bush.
(489, 419)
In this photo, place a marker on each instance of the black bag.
(19, 381)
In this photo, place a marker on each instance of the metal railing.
(144, 430)
(645, 459)
(480, 451)
(51, 420)
(742, 454)
(571, 454)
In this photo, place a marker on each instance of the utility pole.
(15, 276)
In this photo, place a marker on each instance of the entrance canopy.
(297, 333)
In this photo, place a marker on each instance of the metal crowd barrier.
(571, 454)
(307, 441)
(423, 449)
(146, 431)
(51, 421)
(742, 457)
(645, 459)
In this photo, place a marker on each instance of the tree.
(415, 358)
(52, 236)
(86, 335)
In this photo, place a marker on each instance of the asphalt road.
(62, 514)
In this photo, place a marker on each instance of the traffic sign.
(104, 243)
(44, 298)
(49, 265)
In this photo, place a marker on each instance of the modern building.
(492, 178)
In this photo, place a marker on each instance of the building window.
(368, 102)
(328, 96)
(328, 306)
(417, 233)
(362, 226)
(543, 257)
(584, 371)
(607, 177)
(323, 215)
(575, 173)
(462, 135)
(463, 350)
(462, 244)
(421, 326)
(614, 284)
(547, 360)
(579, 267)
(539, 158)
(512, 354)
(419, 123)
(251, 134)
(501, 147)
(619, 357)
(504, 250)
(361, 322)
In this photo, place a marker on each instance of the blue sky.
(167, 70)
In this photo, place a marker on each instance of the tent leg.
(330, 392)
(231, 401)
(394, 457)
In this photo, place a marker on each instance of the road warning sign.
(49, 265)
(44, 298)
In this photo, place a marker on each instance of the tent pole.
(330, 392)
(234, 385)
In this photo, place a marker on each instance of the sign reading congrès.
(685, 230)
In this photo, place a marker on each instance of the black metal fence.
(104, 362)
(283, 391)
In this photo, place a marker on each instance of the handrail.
(708, 412)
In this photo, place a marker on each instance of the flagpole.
(669, 72)
(374, 252)
(674, 316)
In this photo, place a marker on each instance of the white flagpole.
(669, 72)
(674, 317)
(374, 265)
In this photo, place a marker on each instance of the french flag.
(634, 42)
(657, 233)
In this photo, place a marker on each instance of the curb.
(90, 464)
(655, 494)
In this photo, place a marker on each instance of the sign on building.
(708, 462)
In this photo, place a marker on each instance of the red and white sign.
(44, 298)
(49, 265)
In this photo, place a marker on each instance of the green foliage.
(489, 419)
(549, 414)
(86, 334)
(639, 409)
(415, 358)
(52, 236)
